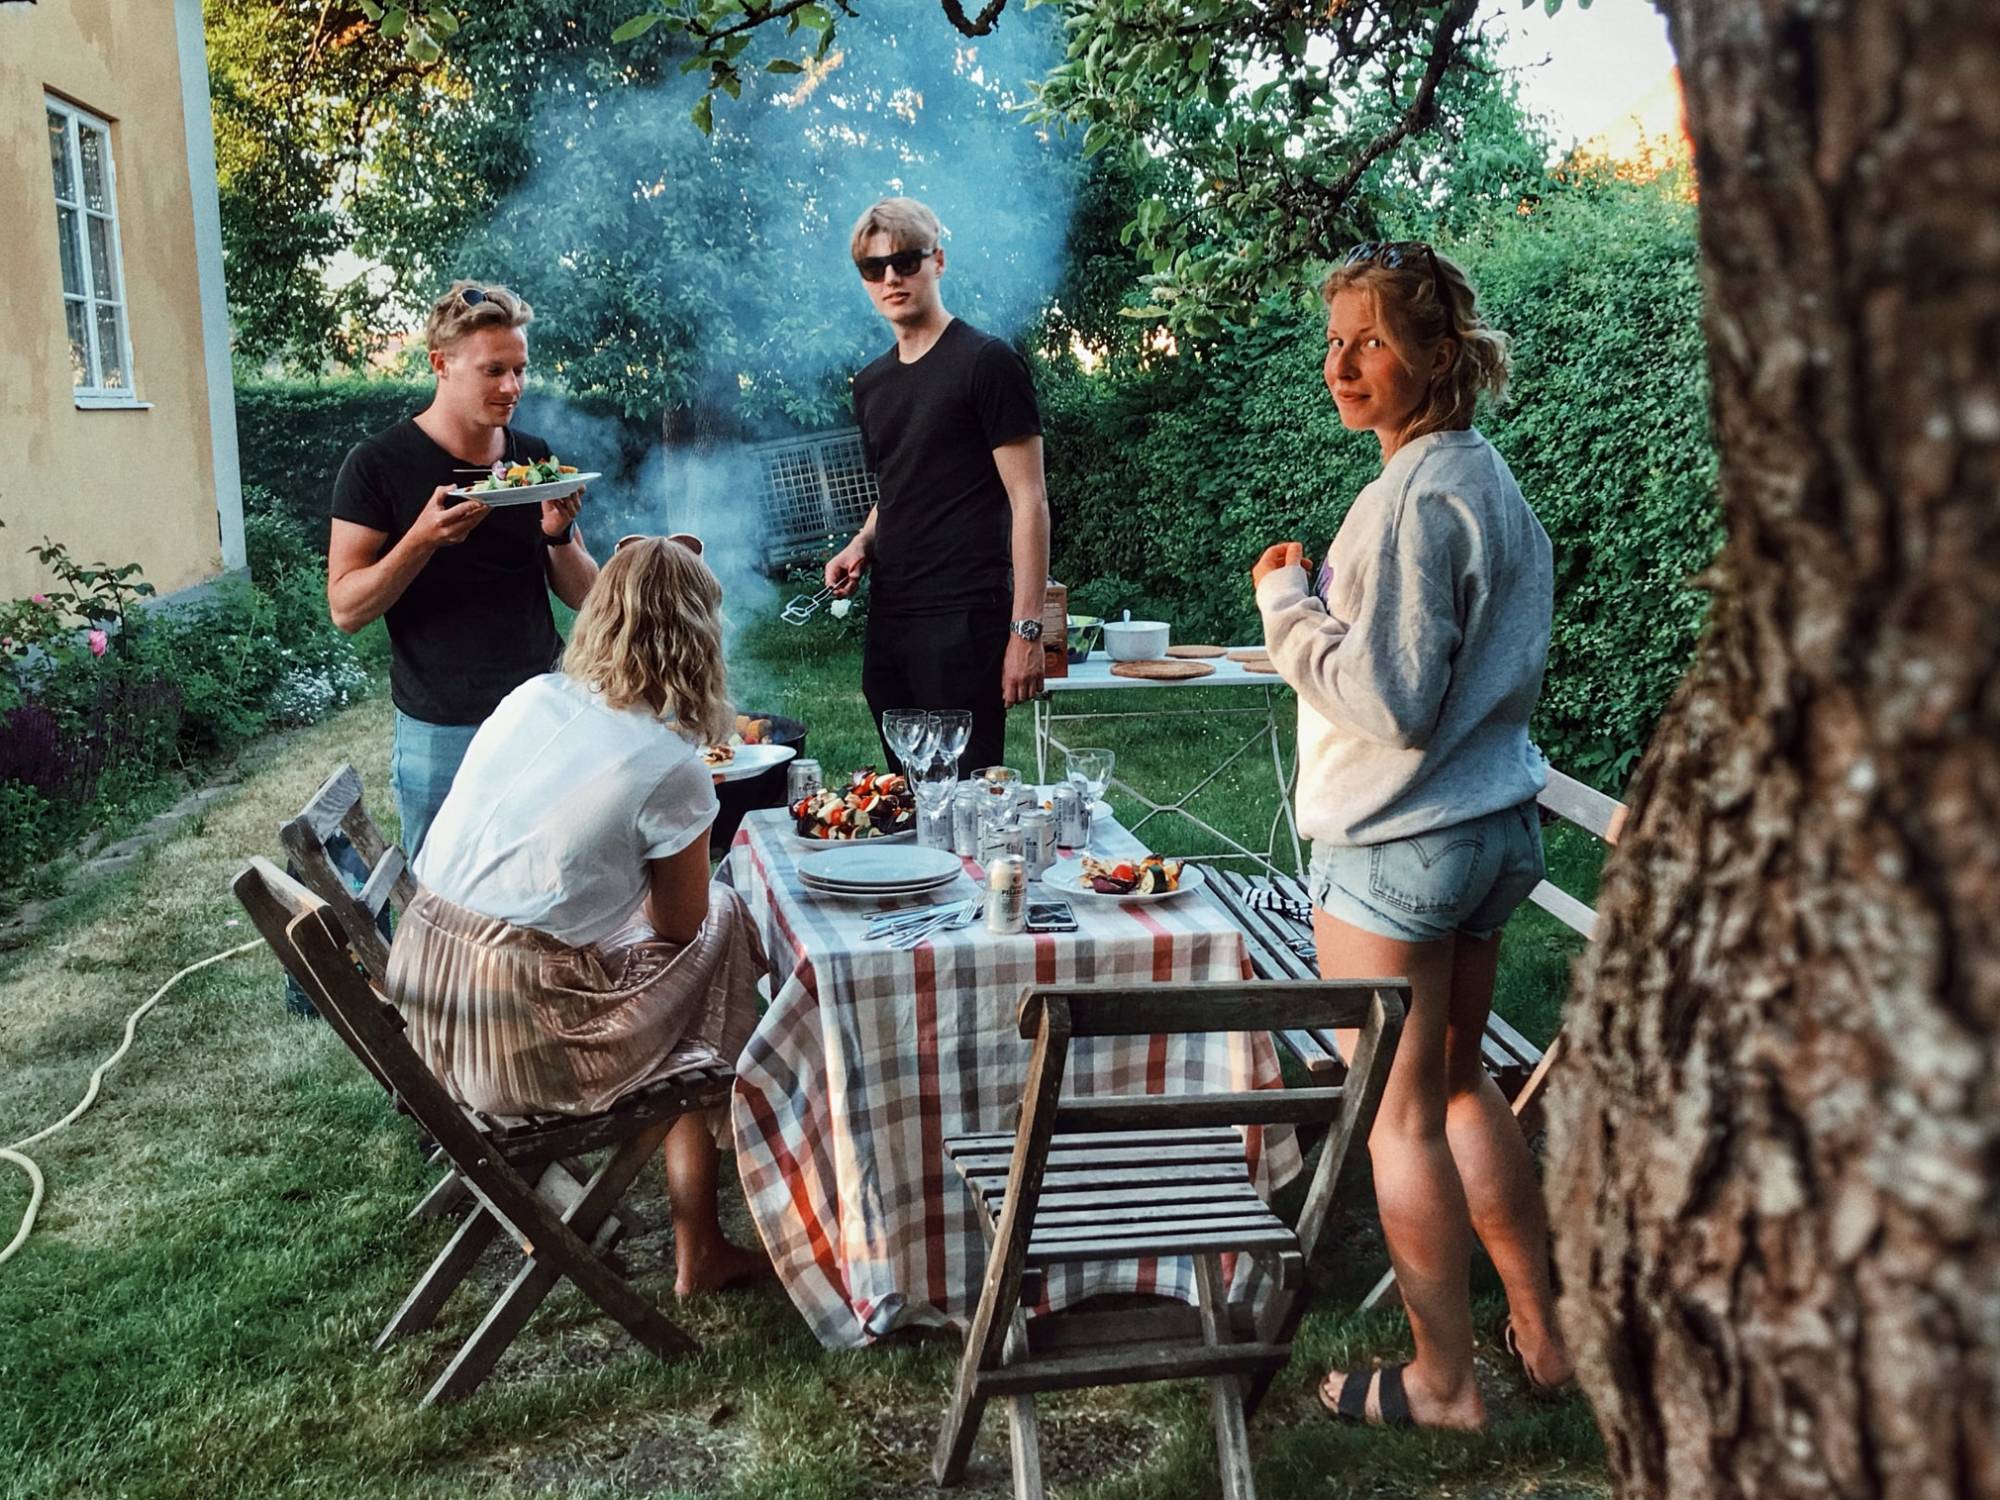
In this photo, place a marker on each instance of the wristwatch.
(561, 538)
(1027, 630)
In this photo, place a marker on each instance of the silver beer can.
(1038, 841)
(802, 779)
(1006, 895)
(999, 838)
(1072, 813)
(967, 805)
(1025, 800)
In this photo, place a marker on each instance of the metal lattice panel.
(813, 489)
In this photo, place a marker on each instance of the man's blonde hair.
(650, 633)
(453, 317)
(909, 224)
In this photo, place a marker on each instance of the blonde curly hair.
(650, 632)
(1406, 279)
(452, 316)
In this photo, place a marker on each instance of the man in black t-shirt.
(959, 540)
(464, 585)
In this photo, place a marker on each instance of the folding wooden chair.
(514, 1171)
(1115, 1178)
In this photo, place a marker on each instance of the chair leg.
(1024, 1428)
(453, 1263)
(446, 1197)
(1225, 1392)
(589, 1216)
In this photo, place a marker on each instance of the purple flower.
(98, 641)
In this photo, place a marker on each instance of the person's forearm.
(866, 535)
(361, 595)
(572, 570)
(1031, 554)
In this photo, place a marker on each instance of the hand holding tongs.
(802, 607)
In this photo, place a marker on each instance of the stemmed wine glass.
(933, 778)
(1090, 769)
(908, 733)
(951, 729)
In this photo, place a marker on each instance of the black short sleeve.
(1003, 395)
(358, 493)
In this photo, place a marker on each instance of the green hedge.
(292, 435)
(1167, 483)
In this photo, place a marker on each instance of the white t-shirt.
(559, 804)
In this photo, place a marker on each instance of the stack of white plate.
(874, 873)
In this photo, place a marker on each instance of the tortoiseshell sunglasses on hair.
(686, 538)
(1395, 254)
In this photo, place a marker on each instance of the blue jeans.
(1466, 878)
(421, 766)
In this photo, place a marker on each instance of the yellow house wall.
(119, 485)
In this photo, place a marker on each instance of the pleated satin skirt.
(514, 1022)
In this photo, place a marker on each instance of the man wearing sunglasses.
(958, 543)
(463, 585)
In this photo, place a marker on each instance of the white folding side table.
(1094, 676)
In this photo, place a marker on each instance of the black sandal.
(1392, 1406)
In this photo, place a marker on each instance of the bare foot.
(718, 1268)
(1462, 1409)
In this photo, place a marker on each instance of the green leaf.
(1295, 39)
(703, 114)
(1096, 139)
(441, 21)
(815, 16)
(371, 10)
(421, 45)
(394, 21)
(1199, 54)
(636, 27)
(783, 65)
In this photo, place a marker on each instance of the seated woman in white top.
(566, 945)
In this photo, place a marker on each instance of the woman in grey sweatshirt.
(1417, 657)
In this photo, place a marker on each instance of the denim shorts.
(1467, 878)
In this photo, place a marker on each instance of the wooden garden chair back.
(1135, 1176)
(337, 807)
(513, 1168)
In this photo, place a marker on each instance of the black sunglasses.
(905, 262)
(471, 296)
(1395, 254)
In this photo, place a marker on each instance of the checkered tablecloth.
(868, 1059)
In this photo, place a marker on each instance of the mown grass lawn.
(225, 1231)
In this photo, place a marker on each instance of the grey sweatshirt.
(1417, 674)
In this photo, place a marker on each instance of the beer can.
(1006, 894)
(802, 779)
(967, 806)
(1038, 841)
(999, 838)
(1024, 800)
(1072, 814)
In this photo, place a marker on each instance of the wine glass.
(1090, 769)
(907, 732)
(951, 729)
(933, 779)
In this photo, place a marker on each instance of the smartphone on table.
(1051, 916)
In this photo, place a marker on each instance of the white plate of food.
(528, 484)
(868, 809)
(741, 762)
(1147, 879)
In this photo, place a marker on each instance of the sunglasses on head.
(1396, 254)
(686, 538)
(904, 262)
(471, 296)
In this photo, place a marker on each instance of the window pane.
(95, 151)
(59, 156)
(110, 348)
(79, 343)
(100, 256)
(72, 251)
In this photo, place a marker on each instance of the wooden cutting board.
(1250, 653)
(1161, 671)
(1260, 664)
(1196, 653)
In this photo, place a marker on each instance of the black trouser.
(941, 661)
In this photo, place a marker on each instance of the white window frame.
(95, 395)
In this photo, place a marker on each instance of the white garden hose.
(12, 1152)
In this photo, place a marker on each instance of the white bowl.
(1135, 640)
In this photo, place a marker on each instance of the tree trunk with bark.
(1776, 1139)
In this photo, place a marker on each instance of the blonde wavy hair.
(909, 224)
(650, 632)
(452, 317)
(1406, 278)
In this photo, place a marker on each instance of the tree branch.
(983, 26)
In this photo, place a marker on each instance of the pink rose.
(98, 641)
(38, 598)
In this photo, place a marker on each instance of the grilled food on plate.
(519, 476)
(719, 755)
(1123, 877)
(869, 807)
